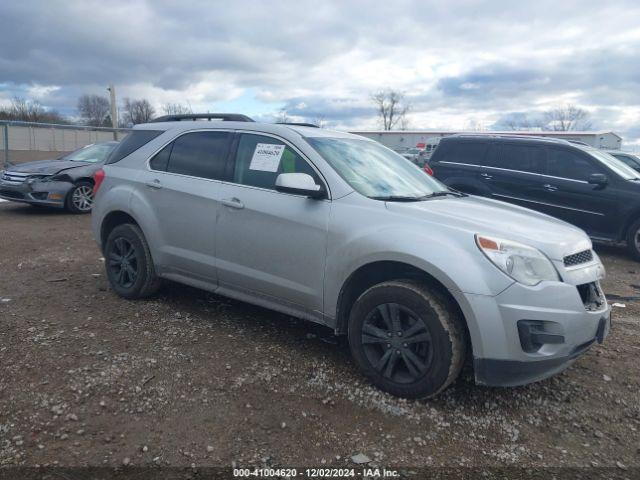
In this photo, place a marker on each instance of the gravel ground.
(190, 378)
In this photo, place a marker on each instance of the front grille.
(14, 178)
(578, 258)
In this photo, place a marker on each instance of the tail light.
(98, 177)
(427, 169)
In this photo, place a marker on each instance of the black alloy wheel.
(397, 343)
(123, 262)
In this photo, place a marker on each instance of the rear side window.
(260, 159)
(524, 158)
(471, 153)
(199, 154)
(160, 160)
(131, 143)
(567, 164)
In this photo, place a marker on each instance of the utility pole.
(114, 110)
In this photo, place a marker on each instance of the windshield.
(618, 166)
(92, 153)
(374, 170)
(632, 160)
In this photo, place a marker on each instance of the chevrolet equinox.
(339, 230)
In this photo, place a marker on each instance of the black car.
(66, 182)
(568, 180)
(630, 159)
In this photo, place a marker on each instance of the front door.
(269, 243)
(573, 199)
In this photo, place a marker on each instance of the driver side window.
(260, 159)
(564, 163)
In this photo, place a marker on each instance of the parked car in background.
(66, 182)
(574, 182)
(412, 154)
(632, 160)
(340, 230)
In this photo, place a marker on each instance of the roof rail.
(227, 117)
(515, 135)
(298, 124)
(578, 142)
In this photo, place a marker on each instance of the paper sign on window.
(266, 157)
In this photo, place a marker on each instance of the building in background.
(403, 139)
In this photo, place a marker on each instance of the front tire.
(129, 264)
(407, 339)
(80, 198)
(633, 240)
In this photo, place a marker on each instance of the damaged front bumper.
(36, 192)
(531, 333)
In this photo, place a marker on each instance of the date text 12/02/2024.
(315, 473)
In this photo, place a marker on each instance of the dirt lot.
(190, 378)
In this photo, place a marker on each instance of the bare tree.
(567, 117)
(319, 121)
(137, 111)
(391, 107)
(282, 116)
(176, 109)
(522, 123)
(25, 110)
(94, 110)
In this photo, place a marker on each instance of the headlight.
(524, 264)
(39, 178)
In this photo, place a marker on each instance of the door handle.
(486, 176)
(154, 184)
(550, 188)
(232, 202)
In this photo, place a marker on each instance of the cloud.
(457, 63)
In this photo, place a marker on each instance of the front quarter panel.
(448, 255)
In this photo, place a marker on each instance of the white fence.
(23, 141)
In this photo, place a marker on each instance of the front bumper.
(51, 194)
(526, 334)
(510, 373)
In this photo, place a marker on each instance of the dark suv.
(568, 180)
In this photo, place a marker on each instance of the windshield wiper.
(397, 198)
(444, 193)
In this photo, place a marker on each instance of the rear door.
(458, 164)
(271, 244)
(515, 175)
(182, 187)
(573, 199)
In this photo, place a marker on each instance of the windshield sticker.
(266, 157)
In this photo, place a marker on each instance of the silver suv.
(339, 230)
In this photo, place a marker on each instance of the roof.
(275, 128)
(537, 133)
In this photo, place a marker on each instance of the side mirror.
(299, 184)
(598, 179)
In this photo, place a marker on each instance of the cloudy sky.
(461, 64)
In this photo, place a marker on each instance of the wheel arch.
(632, 218)
(112, 220)
(377, 272)
(84, 179)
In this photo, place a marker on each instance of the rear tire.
(633, 240)
(80, 198)
(407, 339)
(128, 263)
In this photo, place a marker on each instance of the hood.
(498, 219)
(46, 167)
